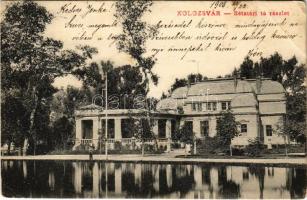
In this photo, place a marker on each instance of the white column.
(78, 129)
(24, 168)
(169, 176)
(51, 180)
(118, 180)
(196, 128)
(95, 131)
(77, 177)
(156, 184)
(212, 127)
(181, 123)
(168, 134)
(198, 177)
(214, 179)
(138, 174)
(78, 133)
(155, 127)
(118, 129)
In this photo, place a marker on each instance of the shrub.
(117, 145)
(254, 148)
(175, 145)
(149, 147)
(211, 145)
(238, 151)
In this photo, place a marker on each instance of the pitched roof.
(227, 86)
(244, 100)
(267, 87)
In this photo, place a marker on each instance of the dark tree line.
(33, 112)
(30, 62)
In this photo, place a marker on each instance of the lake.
(145, 180)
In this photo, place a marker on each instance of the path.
(163, 159)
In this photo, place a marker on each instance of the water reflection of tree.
(259, 173)
(296, 182)
(227, 188)
(183, 183)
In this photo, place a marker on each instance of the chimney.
(258, 84)
(189, 83)
(235, 80)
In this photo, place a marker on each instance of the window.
(226, 105)
(161, 128)
(269, 130)
(111, 127)
(194, 106)
(245, 175)
(127, 126)
(229, 104)
(214, 105)
(200, 108)
(173, 125)
(189, 125)
(204, 106)
(204, 128)
(209, 107)
(243, 128)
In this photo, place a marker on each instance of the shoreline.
(165, 159)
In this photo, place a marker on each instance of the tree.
(246, 68)
(191, 78)
(62, 132)
(163, 96)
(283, 129)
(226, 128)
(13, 121)
(184, 134)
(194, 78)
(31, 62)
(135, 33)
(272, 67)
(178, 83)
(142, 129)
(124, 83)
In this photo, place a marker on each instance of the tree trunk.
(195, 148)
(230, 150)
(32, 118)
(156, 143)
(286, 146)
(9, 147)
(25, 146)
(143, 150)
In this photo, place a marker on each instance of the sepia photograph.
(153, 99)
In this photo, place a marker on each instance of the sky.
(169, 66)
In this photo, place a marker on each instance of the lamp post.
(106, 109)
(105, 89)
(197, 62)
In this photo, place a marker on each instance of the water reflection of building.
(136, 180)
(182, 181)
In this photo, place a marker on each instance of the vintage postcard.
(153, 99)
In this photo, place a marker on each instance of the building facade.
(259, 106)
